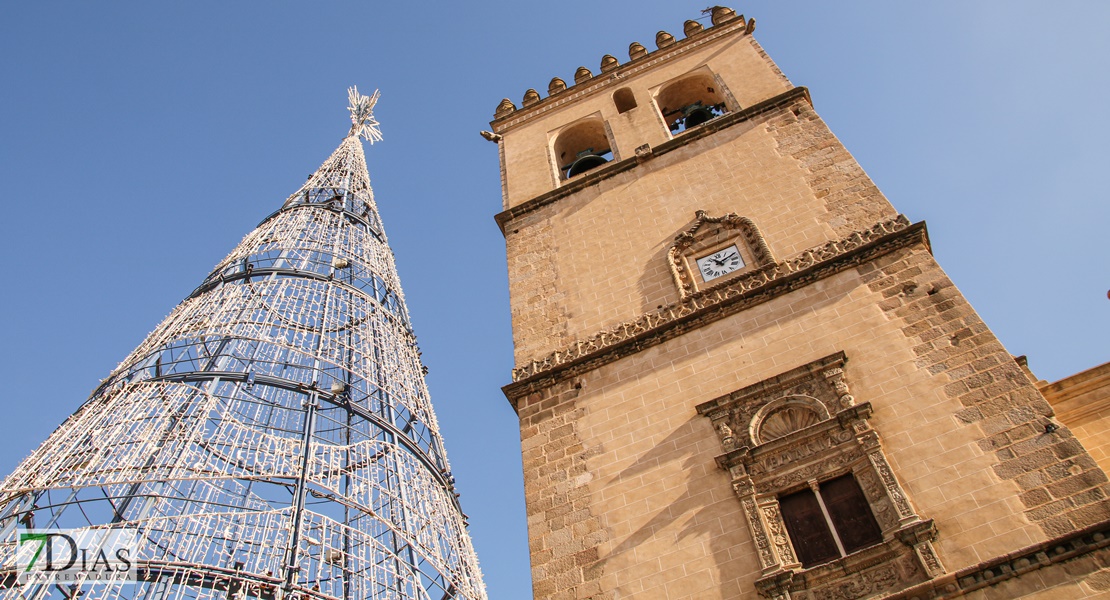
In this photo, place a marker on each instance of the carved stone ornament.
(636, 50)
(798, 429)
(582, 74)
(505, 107)
(777, 530)
(759, 534)
(708, 234)
(531, 97)
(557, 85)
(714, 302)
(722, 14)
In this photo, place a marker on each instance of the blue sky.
(140, 141)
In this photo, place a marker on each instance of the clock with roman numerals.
(720, 263)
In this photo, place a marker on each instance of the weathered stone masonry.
(563, 534)
(1062, 487)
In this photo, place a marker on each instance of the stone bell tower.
(740, 371)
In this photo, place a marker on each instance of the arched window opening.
(690, 102)
(582, 147)
(624, 100)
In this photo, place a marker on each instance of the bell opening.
(586, 160)
(690, 101)
(697, 116)
(580, 147)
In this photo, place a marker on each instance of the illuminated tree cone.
(273, 437)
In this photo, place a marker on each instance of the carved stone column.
(776, 529)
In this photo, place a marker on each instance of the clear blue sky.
(140, 141)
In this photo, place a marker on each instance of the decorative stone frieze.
(719, 301)
(1080, 552)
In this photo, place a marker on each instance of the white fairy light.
(197, 438)
(363, 122)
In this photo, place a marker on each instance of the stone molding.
(992, 572)
(613, 168)
(820, 380)
(714, 303)
(1080, 397)
(692, 240)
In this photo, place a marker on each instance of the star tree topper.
(362, 115)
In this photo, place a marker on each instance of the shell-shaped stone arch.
(784, 416)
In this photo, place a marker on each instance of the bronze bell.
(696, 114)
(586, 160)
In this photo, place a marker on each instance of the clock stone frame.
(708, 235)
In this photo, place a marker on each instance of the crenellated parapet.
(611, 69)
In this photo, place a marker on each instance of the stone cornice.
(715, 303)
(607, 78)
(772, 386)
(1081, 396)
(1015, 564)
(609, 170)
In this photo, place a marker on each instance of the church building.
(740, 372)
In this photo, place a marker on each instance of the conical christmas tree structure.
(273, 437)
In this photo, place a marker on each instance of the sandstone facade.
(664, 416)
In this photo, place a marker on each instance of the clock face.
(720, 263)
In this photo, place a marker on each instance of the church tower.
(739, 370)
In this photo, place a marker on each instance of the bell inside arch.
(696, 114)
(586, 160)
